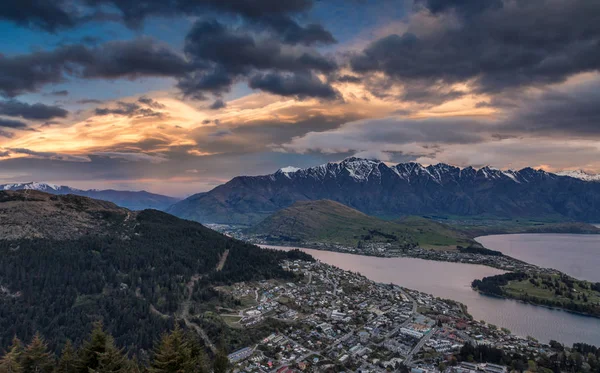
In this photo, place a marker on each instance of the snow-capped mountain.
(579, 174)
(132, 200)
(42, 187)
(373, 187)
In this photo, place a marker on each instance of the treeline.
(493, 284)
(566, 296)
(581, 358)
(479, 250)
(60, 288)
(175, 352)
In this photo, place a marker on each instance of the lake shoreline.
(452, 280)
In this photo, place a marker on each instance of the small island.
(550, 290)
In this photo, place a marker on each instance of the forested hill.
(127, 269)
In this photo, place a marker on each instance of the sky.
(178, 96)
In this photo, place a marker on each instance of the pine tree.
(11, 361)
(68, 360)
(175, 354)
(36, 358)
(221, 363)
(92, 349)
(112, 360)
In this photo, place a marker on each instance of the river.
(453, 281)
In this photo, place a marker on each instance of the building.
(240, 355)
(411, 332)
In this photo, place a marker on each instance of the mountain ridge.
(134, 200)
(374, 188)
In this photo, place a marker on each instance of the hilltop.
(330, 222)
(32, 214)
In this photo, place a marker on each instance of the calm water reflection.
(575, 254)
(452, 281)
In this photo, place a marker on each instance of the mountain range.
(133, 200)
(376, 189)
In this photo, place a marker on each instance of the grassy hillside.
(331, 222)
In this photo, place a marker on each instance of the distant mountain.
(377, 189)
(579, 174)
(67, 261)
(326, 221)
(134, 200)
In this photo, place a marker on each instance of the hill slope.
(67, 261)
(326, 221)
(377, 189)
(133, 200)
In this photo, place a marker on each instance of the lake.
(453, 281)
(577, 255)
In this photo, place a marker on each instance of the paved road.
(419, 345)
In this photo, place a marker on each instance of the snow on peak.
(34, 185)
(579, 174)
(289, 169)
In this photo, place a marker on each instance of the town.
(340, 321)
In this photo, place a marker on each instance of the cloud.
(560, 112)
(129, 59)
(46, 15)
(130, 109)
(300, 85)
(14, 124)
(493, 47)
(86, 101)
(133, 157)
(389, 135)
(221, 56)
(275, 15)
(50, 155)
(6, 134)
(151, 103)
(38, 111)
(218, 104)
(61, 93)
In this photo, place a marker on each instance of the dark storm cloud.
(117, 59)
(14, 108)
(464, 7)
(128, 109)
(575, 113)
(14, 124)
(519, 44)
(275, 15)
(222, 56)
(300, 85)
(42, 14)
(218, 104)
